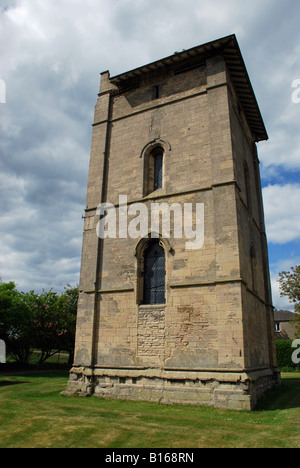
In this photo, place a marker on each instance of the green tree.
(68, 302)
(45, 321)
(16, 322)
(290, 286)
(54, 321)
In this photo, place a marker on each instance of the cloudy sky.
(51, 54)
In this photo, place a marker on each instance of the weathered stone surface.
(232, 390)
(216, 326)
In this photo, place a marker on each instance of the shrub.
(284, 352)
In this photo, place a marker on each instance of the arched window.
(248, 187)
(154, 273)
(154, 170)
(253, 268)
(157, 154)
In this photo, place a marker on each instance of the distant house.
(284, 328)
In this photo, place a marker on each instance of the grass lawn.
(34, 414)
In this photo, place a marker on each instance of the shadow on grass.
(286, 396)
(8, 383)
(17, 368)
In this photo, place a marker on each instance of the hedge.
(284, 352)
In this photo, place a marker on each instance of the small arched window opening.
(158, 168)
(154, 273)
(253, 268)
(155, 92)
(154, 170)
(248, 187)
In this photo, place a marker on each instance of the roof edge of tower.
(229, 48)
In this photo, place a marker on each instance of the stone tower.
(162, 317)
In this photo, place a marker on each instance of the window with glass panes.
(154, 273)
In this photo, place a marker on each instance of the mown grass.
(34, 414)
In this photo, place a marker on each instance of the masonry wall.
(212, 342)
(201, 324)
(215, 323)
(256, 293)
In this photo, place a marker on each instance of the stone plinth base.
(228, 389)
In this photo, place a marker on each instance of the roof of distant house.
(283, 315)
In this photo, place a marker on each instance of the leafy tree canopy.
(45, 321)
(290, 286)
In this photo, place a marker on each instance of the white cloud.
(52, 54)
(230, 16)
(278, 68)
(282, 149)
(279, 302)
(282, 302)
(282, 212)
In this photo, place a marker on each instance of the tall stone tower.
(160, 317)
